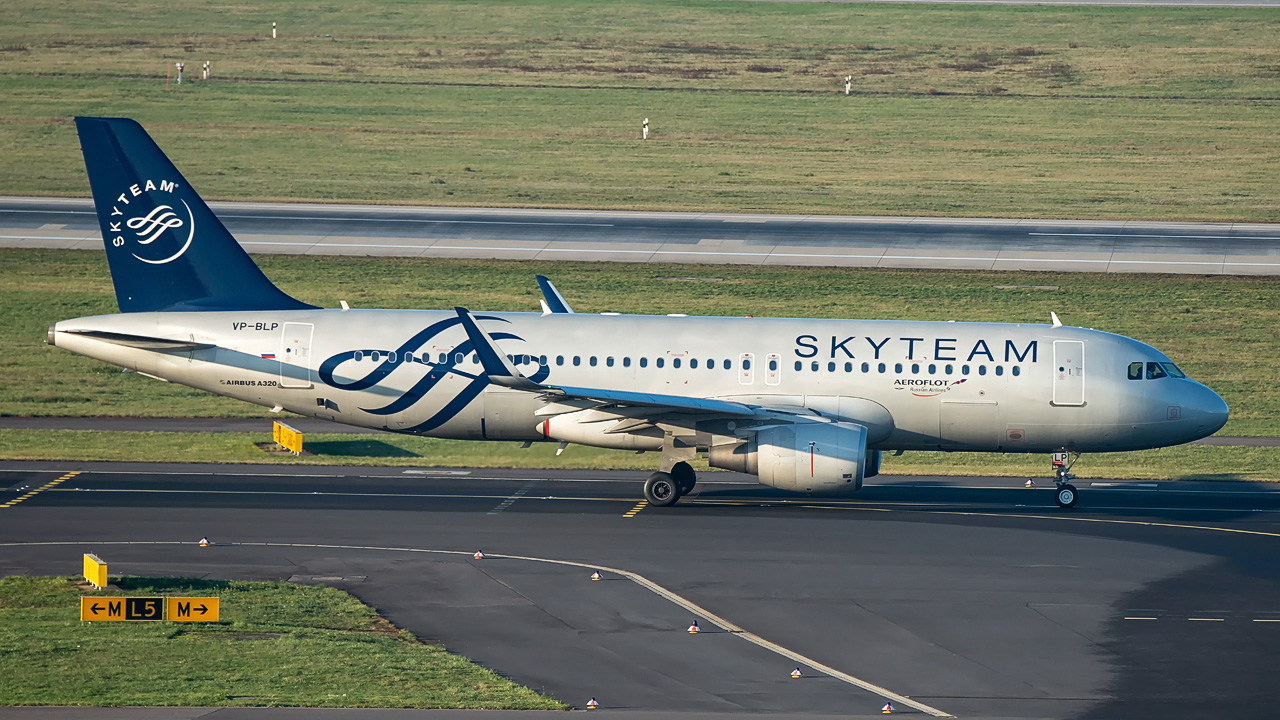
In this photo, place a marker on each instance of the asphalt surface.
(976, 597)
(963, 243)
(312, 425)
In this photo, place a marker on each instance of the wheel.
(684, 476)
(661, 490)
(1067, 495)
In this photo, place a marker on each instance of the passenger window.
(475, 359)
(814, 365)
(728, 364)
(1017, 370)
(443, 357)
(1155, 372)
(799, 366)
(933, 369)
(644, 362)
(374, 355)
(626, 362)
(982, 369)
(964, 369)
(658, 362)
(999, 369)
(711, 364)
(915, 368)
(358, 356)
(746, 364)
(457, 358)
(773, 366)
(675, 363)
(1135, 371)
(831, 367)
(947, 369)
(866, 367)
(608, 362)
(897, 367)
(577, 360)
(881, 367)
(560, 360)
(693, 363)
(592, 361)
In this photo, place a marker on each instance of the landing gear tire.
(1067, 495)
(684, 476)
(662, 490)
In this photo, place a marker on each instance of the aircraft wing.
(502, 372)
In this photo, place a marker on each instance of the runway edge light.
(592, 704)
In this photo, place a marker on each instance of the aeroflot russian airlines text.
(943, 348)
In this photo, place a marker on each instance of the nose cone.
(1205, 410)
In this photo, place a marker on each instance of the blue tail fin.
(166, 248)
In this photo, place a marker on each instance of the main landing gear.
(664, 489)
(1067, 495)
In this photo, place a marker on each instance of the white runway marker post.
(644, 130)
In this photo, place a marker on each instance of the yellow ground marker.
(639, 506)
(42, 488)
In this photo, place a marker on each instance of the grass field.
(1220, 329)
(277, 645)
(1187, 462)
(1163, 113)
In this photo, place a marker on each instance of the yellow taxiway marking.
(42, 488)
(638, 579)
(639, 506)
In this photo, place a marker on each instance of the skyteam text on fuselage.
(806, 405)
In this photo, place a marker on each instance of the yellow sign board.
(177, 609)
(95, 571)
(287, 437)
(192, 609)
(115, 609)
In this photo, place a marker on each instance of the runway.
(973, 597)
(712, 238)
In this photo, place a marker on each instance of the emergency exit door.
(295, 355)
(1068, 372)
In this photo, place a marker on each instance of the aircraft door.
(773, 369)
(746, 369)
(295, 355)
(1068, 372)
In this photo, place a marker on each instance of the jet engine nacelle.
(803, 457)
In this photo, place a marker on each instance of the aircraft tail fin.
(166, 248)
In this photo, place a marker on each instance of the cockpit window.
(1135, 371)
(1172, 370)
(1154, 371)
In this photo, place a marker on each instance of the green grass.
(1186, 462)
(1161, 113)
(277, 645)
(1220, 329)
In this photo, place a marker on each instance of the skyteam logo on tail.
(149, 220)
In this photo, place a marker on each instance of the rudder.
(166, 248)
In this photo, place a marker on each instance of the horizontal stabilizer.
(141, 342)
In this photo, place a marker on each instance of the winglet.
(1056, 321)
(554, 302)
(495, 364)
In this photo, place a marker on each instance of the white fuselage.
(916, 385)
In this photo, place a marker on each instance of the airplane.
(806, 405)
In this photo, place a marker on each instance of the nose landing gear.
(1067, 495)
